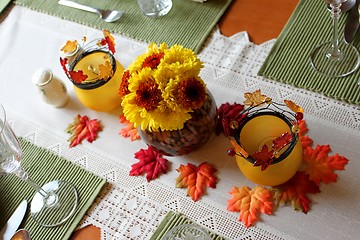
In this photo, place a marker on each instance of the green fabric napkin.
(173, 219)
(188, 23)
(289, 59)
(44, 166)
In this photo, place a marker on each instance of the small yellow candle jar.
(98, 95)
(262, 129)
(94, 71)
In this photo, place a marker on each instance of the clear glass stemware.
(53, 203)
(335, 58)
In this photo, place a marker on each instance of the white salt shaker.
(52, 90)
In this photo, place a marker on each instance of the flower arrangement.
(72, 53)
(162, 87)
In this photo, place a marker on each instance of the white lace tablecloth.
(131, 207)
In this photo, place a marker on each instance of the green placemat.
(188, 23)
(173, 219)
(289, 59)
(3, 4)
(44, 166)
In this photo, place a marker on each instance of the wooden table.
(262, 19)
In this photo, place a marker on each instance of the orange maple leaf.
(305, 140)
(129, 130)
(293, 106)
(249, 202)
(254, 98)
(295, 190)
(196, 178)
(320, 166)
(106, 71)
(69, 47)
(83, 128)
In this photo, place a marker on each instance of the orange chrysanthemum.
(191, 93)
(148, 95)
(124, 85)
(152, 61)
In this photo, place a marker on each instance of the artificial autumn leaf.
(305, 140)
(249, 202)
(63, 62)
(78, 76)
(196, 178)
(239, 149)
(106, 71)
(254, 98)
(108, 40)
(151, 162)
(295, 190)
(320, 166)
(293, 106)
(129, 130)
(226, 116)
(83, 128)
(282, 141)
(263, 157)
(69, 47)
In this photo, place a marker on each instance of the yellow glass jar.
(99, 95)
(262, 128)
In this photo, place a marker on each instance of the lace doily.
(130, 207)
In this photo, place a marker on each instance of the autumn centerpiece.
(166, 99)
(267, 147)
(94, 71)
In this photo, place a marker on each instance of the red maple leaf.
(109, 41)
(63, 62)
(196, 178)
(129, 130)
(320, 166)
(295, 190)
(83, 128)
(151, 162)
(78, 76)
(282, 141)
(263, 158)
(249, 202)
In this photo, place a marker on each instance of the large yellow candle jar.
(267, 145)
(95, 73)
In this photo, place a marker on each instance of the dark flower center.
(148, 95)
(191, 93)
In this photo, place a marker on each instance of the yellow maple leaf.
(105, 71)
(69, 47)
(254, 98)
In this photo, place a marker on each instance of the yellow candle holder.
(98, 95)
(271, 134)
(94, 72)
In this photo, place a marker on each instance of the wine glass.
(53, 203)
(335, 58)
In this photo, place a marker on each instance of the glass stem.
(335, 53)
(21, 173)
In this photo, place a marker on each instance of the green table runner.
(43, 166)
(188, 23)
(3, 4)
(289, 62)
(173, 219)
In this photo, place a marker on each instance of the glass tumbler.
(155, 8)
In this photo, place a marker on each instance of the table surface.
(263, 20)
(330, 122)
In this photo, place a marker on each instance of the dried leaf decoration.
(78, 76)
(254, 98)
(296, 190)
(320, 166)
(196, 178)
(69, 47)
(238, 149)
(150, 162)
(282, 141)
(106, 71)
(304, 139)
(263, 158)
(108, 40)
(293, 106)
(249, 202)
(129, 130)
(83, 128)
